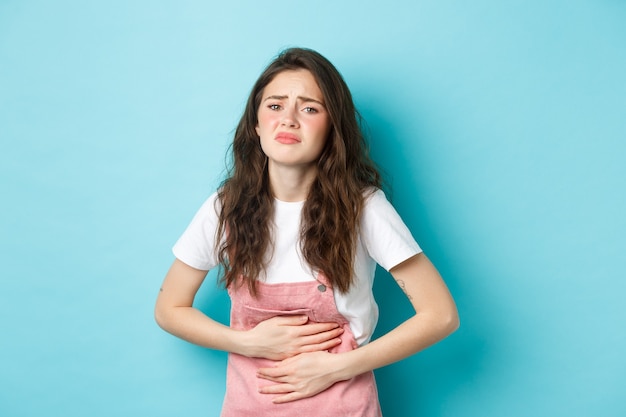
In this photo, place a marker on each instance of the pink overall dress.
(357, 397)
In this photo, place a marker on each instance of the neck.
(291, 184)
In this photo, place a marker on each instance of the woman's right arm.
(277, 338)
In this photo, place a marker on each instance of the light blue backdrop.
(501, 124)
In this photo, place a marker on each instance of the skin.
(293, 127)
(293, 104)
(277, 338)
(435, 317)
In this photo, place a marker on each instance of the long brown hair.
(331, 213)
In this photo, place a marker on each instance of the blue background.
(500, 124)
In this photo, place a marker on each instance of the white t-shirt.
(384, 239)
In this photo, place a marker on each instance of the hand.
(282, 337)
(301, 376)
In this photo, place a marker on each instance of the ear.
(256, 129)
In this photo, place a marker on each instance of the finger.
(329, 344)
(273, 374)
(292, 396)
(322, 337)
(317, 328)
(298, 320)
(279, 379)
(276, 389)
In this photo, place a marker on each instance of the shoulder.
(383, 232)
(211, 206)
(195, 247)
(375, 200)
(207, 216)
(377, 211)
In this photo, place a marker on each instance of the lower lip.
(287, 140)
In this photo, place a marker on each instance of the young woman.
(297, 229)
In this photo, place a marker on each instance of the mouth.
(287, 138)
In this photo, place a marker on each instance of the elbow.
(160, 316)
(443, 322)
(453, 322)
(450, 321)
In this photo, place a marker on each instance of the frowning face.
(293, 124)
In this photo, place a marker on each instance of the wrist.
(349, 365)
(242, 343)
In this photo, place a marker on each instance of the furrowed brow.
(311, 100)
(275, 97)
(300, 98)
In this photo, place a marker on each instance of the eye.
(310, 110)
(274, 106)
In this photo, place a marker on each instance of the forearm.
(410, 337)
(276, 338)
(305, 375)
(435, 317)
(190, 324)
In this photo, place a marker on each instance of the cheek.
(264, 121)
(323, 129)
(321, 138)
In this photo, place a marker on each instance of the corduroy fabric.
(357, 397)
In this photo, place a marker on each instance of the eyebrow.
(300, 98)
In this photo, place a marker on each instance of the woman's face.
(293, 124)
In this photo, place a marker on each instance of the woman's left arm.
(435, 318)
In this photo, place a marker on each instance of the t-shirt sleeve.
(387, 239)
(196, 246)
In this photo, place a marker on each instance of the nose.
(290, 118)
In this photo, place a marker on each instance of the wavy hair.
(332, 211)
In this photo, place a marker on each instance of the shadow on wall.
(422, 384)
